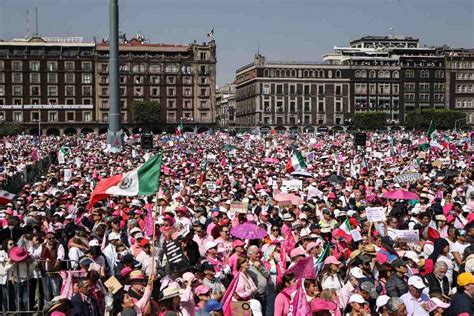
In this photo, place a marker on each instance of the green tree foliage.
(146, 112)
(10, 128)
(370, 120)
(442, 118)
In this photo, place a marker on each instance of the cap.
(206, 265)
(465, 278)
(312, 244)
(357, 273)
(382, 300)
(237, 243)
(417, 282)
(398, 263)
(144, 242)
(357, 298)
(411, 255)
(202, 289)
(135, 230)
(437, 303)
(93, 243)
(297, 252)
(210, 244)
(369, 287)
(319, 304)
(114, 236)
(331, 260)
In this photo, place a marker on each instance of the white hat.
(357, 298)
(438, 303)
(136, 202)
(382, 300)
(303, 216)
(417, 282)
(412, 255)
(71, 216)
(93, 242)
(114, 236)
(135, 230)
(210, 244)
(138, 235)
(228, 202)
(357, 273)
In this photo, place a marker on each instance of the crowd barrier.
(30, 295)
(29, 174)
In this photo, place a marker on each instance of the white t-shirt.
(459, 248)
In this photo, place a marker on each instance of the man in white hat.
(415, 300)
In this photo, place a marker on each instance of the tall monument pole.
(114, 133)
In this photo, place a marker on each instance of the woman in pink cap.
(238, 246)
(329, 277)
(283, 299)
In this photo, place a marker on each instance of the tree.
(370, 120)
(442, 118)
(146, 112)
(10, 128)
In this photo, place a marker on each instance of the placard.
(241, 308)
(176, 259)
(407, 235)
(312, 192)
(295, 184)
(211, 158)
(67, 175)
(237, 208)
(211, 185)
(375, 214)
(356, 236)
(285, 204)
(113, 285)
(407, 177)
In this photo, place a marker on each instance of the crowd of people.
(381, 229)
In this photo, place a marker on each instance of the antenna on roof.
(258, 47)
(27, 23)
(36, 16)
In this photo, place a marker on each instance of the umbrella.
(295, 200)
(407, 177)
(400, 195)
(271, 160)
(334, 178)
(248, 230)
(302, 174)
(447, 173)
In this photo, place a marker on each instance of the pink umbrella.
(400, 195)
(248, 230)
(295, 200)
(271, 160)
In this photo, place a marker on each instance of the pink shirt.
(202, 242)
(245, 286)
(282, 302)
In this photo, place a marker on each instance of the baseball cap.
(114, 236)
(465, 278)
(369, 287)
(357, 273)
(398, 263)
(202, 289)
(381, 301)
(297, 252)
(209, 245)
(331, 260)
(417, 282)
(237, 243)
(357, 298)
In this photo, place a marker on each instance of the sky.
(300, 30)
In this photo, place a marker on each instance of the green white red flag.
(296, 162)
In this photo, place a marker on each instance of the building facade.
(459, 91)
(292, 96)
(60, 85)
(225, 106)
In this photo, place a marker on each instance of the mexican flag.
(432, 132)
(63, 153)
(296, 162)
(6, 197)
(179, 129)
(143, 180)
(346, 227)
(202, 177)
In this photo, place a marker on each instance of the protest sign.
(375, 214)
(241, 308)
(67, 175)
(356, 236)
(295, 184)
(237, 208)
(176, 259)
(113, 284)
(211, 185)
(407, 235)
(285, 204)
(407, 177)
(211, 158)
(312, 192)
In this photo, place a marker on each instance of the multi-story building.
(182, 78)
(459, 90)
(48, 84)
(225, 106)
(292, 96)
(60, 85)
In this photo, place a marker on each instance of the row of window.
(292, 89)
(291, 105)
(292, 120)
(170, 103)
(464, 88)
(465, 75)
(463, 65)
(465, 103)
(424, 74)
(52, 91)
(35, 65)
(51, 101)
(69, 78)
(423, 87)
(52, 116)
(155, 91)
(156, 68)
(424, 97)
(374, 74)
(187, 80)
(172, 117)
(381, 88)
(301, 73)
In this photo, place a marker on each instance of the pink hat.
(169, 218)
(18, 254)
(470, 218)
(311, 245)
(331, 260)
(125, 271)
(202, 289)
(331, 195)
(237, 243)
(297, 252)
(319, 304)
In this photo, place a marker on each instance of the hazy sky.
(286, 29)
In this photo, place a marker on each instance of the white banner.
(375, 214)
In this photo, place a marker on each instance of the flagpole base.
(115, 140)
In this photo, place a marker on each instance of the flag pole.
(155, 211)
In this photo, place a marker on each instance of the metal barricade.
(29, 288)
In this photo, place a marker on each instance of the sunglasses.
(275, 230)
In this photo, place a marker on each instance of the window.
(52, 66)
(52, 116)
(186, 69)
(170, 91)
(321, 118)
(439, 87)
(187, 92)
(409, 86)
(410, 73)
(87, 91)
(70, 101)
(409, 97)
(87, 78)
(292, 104)
(123, 103)
(17, 101)
(35, 101)
(123, 91)
(52, 101)
(35, 116)
(203, 70)
(155, 68)
(338, 90)
(104, 104)
(396, 74)
(279, 89)
(105, 117)
(321, 105)
(266, 104)
(424, 97)
(17, 77)
(138, 80)
(360, 74)
(203, 105)
(320, 89)
(69, 77)
(266, 89)
(384, 74)
(424, 74)
(203, 80)
(187, 104)
(187, 80)
(17, 66)
(361, 88)
(307, 104)
(52, 77)
(86, 66)
(138, 91)
(17, 91)
(171, 117)
(34, 77)
(171, 68)
(384, 88)
(279, 105)
(338, 104)
(395, 89)
(155, 91)
(372, 74)
(86, 101)
(292, 89)
(439, 97)
(34, 65)
(105, 92)
(17, 116)
(203, 56)
(2, 65)
(424, 87)
(171, 103)
(307, 89)
(69, 65)
(70, 116)
(87, 116)
(52, 91)
(2, 90)
(123, 79)
(439, 74)
(373, 88)
(154, 79)
(2, 77)
(171, 80)
(69, 92)
(34, 91)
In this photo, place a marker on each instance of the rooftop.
(385, 38)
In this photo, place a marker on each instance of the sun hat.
(172, 290)
(319, 304)
(18, 254)
(331, 260)
(287, 217)
(381, 301)
(297, 252)
(465, 278)
(357, 298)
(135, 230)
(201, 289)
(137, 275)
(237, 243)
(417, 282)
(435, 303)
(411, 255)
(94, 243)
